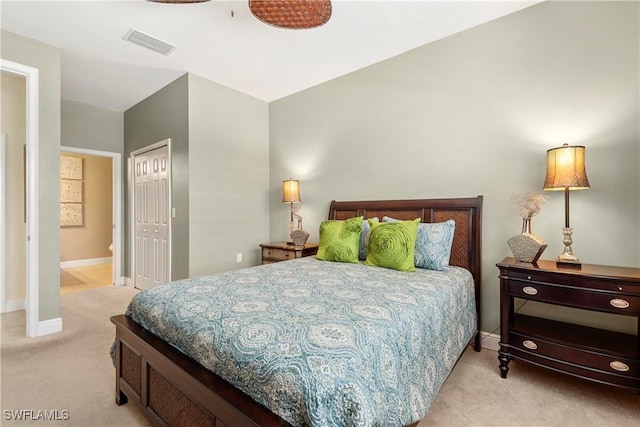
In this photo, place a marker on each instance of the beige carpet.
(71, 371)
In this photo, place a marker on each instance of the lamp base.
(291, 228)
(567, 258)
(562, 260)
(569, 265)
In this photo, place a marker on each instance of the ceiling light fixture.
(295, 14)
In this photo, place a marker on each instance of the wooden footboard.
(173, 390)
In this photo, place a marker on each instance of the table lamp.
(291, 195)
(565, 172)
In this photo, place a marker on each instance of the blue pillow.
(433, 244)
(364, 238)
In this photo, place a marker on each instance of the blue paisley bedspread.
(321, 343)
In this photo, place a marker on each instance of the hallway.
(75, 279)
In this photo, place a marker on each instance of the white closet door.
(152, 218)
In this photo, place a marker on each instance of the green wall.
(165, 114)
(220, 171)
(91, 127)
(473, 114)
(228, 177)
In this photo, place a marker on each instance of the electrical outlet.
(239, 257)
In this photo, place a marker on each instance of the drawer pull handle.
(530, 290)
(533, 346)
(619, 303)
(619, 366)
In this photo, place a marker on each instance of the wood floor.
(75, 279)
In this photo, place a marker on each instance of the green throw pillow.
(340, 240)
(392, 245)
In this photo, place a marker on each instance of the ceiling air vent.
(150, 42)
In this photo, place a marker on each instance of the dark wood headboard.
(466, 212)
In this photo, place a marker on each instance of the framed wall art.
(71, 214)
(71, 194)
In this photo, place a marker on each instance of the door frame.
(32, 196)
(2, 220)
(116, 195)
(132, 208)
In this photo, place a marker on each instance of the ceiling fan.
(296, 14)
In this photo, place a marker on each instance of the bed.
(307, 375)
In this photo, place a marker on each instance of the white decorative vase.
(299, 237)
(526, 246)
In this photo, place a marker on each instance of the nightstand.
(595, 354)
(281, 251)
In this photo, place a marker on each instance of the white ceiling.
(224, 42)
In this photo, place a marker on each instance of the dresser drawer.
(283, 251)
(606, 363)
(278, 254)
(573, 280)
(581, 371)
(575, 297)
(603, 355)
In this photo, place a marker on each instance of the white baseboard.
(83, 262)
(43, 328)
(122, 281)
(13, 305)
(50, 326)
(489, 341)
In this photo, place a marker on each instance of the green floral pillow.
(340, 240)
(392, 244)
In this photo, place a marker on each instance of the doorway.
(30, 203)
(14, 233)
(99, 262)
(151, 213)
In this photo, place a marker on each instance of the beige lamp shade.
(566, 169)
(291, 191)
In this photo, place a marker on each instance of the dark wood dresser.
(281, 251)
(591, 353)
